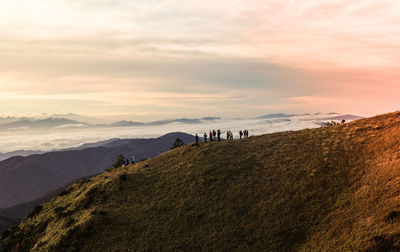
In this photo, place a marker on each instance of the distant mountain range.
(47, 123)
(23, 153)
(14, 124)
(331, 116)
(277, 115)
(343, 117)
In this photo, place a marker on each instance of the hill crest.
(325, 189)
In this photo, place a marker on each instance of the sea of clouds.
(68, 137)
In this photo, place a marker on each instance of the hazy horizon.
(117, 118)
(56, 137)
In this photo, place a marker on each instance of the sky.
(146, 60)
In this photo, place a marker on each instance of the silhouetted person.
(214, 134)
(240, 134)
(205, 137)
(197, 139)
(343, 121)
(211, 136)
(219, 135)
(227, 135)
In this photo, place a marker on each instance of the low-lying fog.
(74, 135)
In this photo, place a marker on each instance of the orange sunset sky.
(147, 60)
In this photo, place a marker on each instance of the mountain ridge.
(14, 124)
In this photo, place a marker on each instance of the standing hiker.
(197, 140)
(214, 134)
(219, 135)
(211, 136)
(240, 134)
(230, 135)
(205, 137)
(133, 159)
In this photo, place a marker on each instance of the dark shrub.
(65, 192)
(59, 210)
(123, 177)
(35, 211)
(178, 143)
(393, 215)
(103, 213)
(89, 198)
(120, 161)
(69, 223)
(83, 181)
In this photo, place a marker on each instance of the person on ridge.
(214, 134)
(205, 137)
(219, 135)
(211, 136)
(230, 135)
(196, 139)
(241, 134)
(227, 135)
(133, 159)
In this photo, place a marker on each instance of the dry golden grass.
(326, 189)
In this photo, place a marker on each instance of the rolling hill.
(12, 216)
(39, 123)
(327, 189)
(22, 153)
(24, 179)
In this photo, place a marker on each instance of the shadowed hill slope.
(12, 216)
(326, 189)
(24, 179)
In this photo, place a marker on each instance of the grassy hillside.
(326, 189)
(23, 179)
(18, 212)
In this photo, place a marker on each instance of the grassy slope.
(326, 189)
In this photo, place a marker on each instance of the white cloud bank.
(72, 137)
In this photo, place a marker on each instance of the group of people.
(244, 133)
(212, 136)
(216, 135)
(126, 163)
